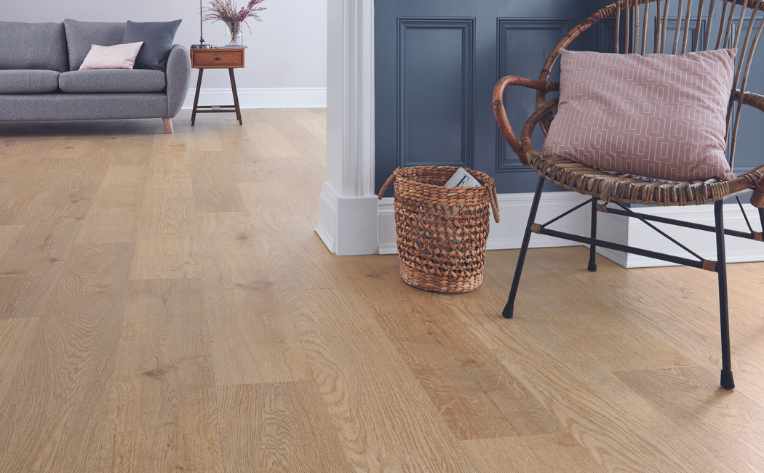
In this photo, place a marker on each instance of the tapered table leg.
(196, 96)
(235, 95)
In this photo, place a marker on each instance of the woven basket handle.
(387, 184)
(494, 201)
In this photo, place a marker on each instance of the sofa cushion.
(81, 35)
(32, 46)
(157, 38)
(29, 107)
(119, 56)
(28, 81)
(111, 81)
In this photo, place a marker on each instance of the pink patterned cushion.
(660, 116)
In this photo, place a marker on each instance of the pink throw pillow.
(119, 56)
(661, 116)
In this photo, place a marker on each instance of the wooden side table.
(217, 58)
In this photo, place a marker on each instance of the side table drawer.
(218, 58)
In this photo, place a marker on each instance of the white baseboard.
(347, 225)
(254, 97)
(739, 250)
(514, 209)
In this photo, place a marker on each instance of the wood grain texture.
(253, 335)
(166, 307)
(164, 240)
(475, 395)
(533, 454)
(8, 236)
(15, 337)
(212, 175)
(682, 395)
(385, 419)
(161, 364)
(277, 427)
(215, 58)
(47, 414)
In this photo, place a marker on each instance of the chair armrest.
(500, 109)
(543, 110)
(177, 75)
(750, 98)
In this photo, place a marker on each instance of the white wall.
(286, 50)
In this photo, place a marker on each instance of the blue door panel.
(438, 60)
(435, 97)
(436, 64)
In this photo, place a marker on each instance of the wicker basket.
(442, 232)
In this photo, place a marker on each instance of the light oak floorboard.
(385, 418)
(15, 337)
(281, 427)
(47, 414)
(533, 454)
(166, 306)
(8, 236)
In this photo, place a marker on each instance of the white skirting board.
(514, 209)
(739, 250)
(347, 225)
(253, 97)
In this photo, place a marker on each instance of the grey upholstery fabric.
(178, 75)
(80, 35)
(81, 106)
(157, 40)
(133, 96)
(28, 81)
(32, 46)
(112, 81)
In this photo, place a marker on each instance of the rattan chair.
(640, 27)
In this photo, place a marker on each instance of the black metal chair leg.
(593, 246)
(727, 380)
(510, 307)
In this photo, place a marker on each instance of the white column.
(348, 220)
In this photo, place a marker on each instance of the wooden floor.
(166, 307)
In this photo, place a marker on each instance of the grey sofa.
(40, 80)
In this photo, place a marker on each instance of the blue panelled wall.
(437, 62)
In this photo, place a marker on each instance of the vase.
(234, 28)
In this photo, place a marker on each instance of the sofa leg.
(168, 128)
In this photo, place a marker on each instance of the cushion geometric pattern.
(661, 116)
